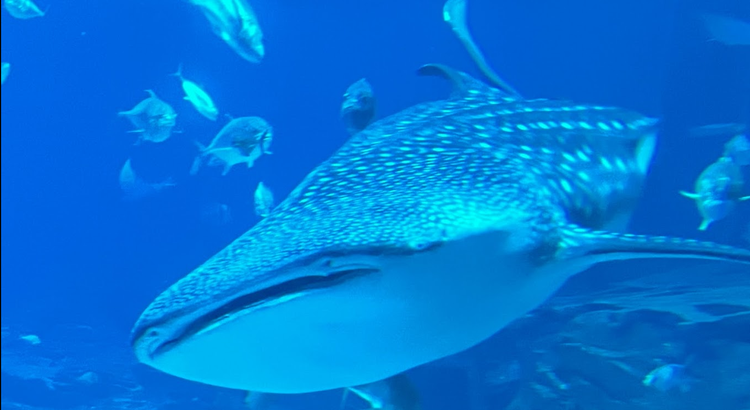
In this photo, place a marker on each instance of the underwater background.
(79, 262)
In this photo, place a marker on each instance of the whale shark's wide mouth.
(151, 341)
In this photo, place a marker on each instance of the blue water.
(74, 252)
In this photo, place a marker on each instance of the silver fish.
(5, 72)
(668, 377)
(23, 9)
(425, 234)
(135, 188)
(234, 21)
(358, 107)
(264, 202)
(454, 13)
(717, 130)
(152, 118)
(738, 150)
(242, 140)
(197, 96)
(717, 189)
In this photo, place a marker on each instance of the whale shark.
(423, 235)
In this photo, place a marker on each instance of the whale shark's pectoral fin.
(690, 195)
(592, 247)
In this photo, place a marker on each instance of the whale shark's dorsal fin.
(462, 84)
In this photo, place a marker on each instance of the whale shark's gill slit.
(264, 296)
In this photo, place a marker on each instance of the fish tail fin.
(690, 195)
(344, 396)
(178, 73)
(200, 146)
(227, 168)
(196, 166)
(705, 224)
(591, 247)
(198, 161)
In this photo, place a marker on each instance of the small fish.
(198, 97)
(727, 30)
(88, 378)
(235, 22)
(23, 9)
(136, 188)
(152, 118)
(717, 189)
(263, 200)
(31, 339)
(668, 377)
(242, 140)
(454, 13)
(5, 71)
(358, 107)
(717, 130)
(738, 149)
(393, 393)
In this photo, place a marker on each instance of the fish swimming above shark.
(235, 22)
(152, 118)
(425, 234)
(197, 96)
(454, 13)
(23, 9)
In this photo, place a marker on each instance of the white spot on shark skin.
(621, 164)
(566, 186)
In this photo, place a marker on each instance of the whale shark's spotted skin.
(549, 174)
